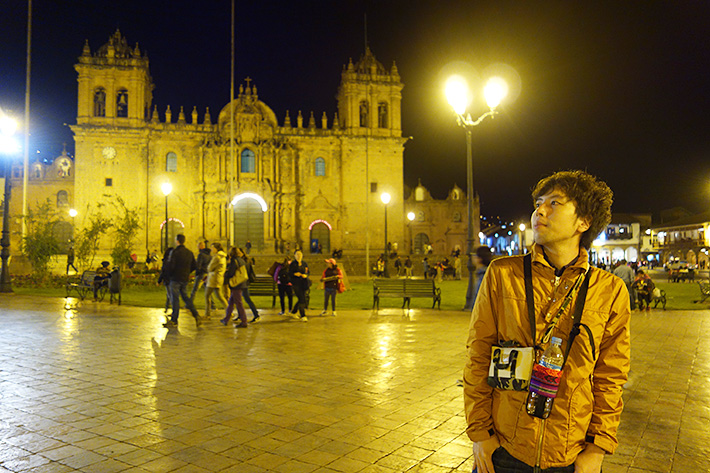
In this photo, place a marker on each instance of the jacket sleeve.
(611, 373)
(482, 335)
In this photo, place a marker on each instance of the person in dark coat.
(203, 260)
(298, 271)
(180, 264)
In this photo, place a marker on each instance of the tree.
(39, 244)
(126, 226)
(88, 238)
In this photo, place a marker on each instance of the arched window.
(364, 109)
(248, 161)
(419, 194)
(100, 102)
(320, 167)
(382, 119)
(122, 103)
(62, 199)
(171, 162)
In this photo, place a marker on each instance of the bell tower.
(369, 98)
(115, 87)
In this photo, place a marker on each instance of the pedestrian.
(526, 300)
(70, 259)
(398, 266)
(251, 277)
(180, 264)
(283, 282)
(202, 261)
(408, 267)
(332, 278)
(215, 277)
(626, 273)
(164, 277)
(248, 246)
(481, 260)
(380, 273)
(236, 267)
(425, 266)
(457, 267)
(298, 271)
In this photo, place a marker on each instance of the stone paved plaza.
(99, 388)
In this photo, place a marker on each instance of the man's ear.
(583, 225)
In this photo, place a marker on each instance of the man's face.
(555, 219)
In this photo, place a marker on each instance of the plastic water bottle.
(543, 391)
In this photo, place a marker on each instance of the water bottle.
(545, 380)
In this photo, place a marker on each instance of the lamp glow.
(522, 227)
(457, 93)
(167, 188)
(411, 216)
(385, 198)
(73, 213)
(495, 91)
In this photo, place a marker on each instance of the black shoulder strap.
(527, 270)
(578, 308)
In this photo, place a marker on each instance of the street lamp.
(411, 217)
(385, 198)
(459, 97)
(8, 146)
(521, 227)
(167, 188)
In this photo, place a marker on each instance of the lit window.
(171, 162)
(109, 182)
(320, 167)
(248, 161)
(122, 103)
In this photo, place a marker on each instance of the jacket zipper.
(538, 454)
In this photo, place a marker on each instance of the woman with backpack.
(236, 278)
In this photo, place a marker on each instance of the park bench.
(704, 290)
(264, 286)
(406, 289)
(85, 285)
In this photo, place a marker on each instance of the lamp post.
(7, 146)
(458, 96)
(521, 227)
(167, 188)
(385, 198)
(411, 216)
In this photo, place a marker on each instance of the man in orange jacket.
(571, 209)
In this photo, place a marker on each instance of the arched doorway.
(249, 220)
(63, 232)
(173, 227)
(421, 243)
(320, 236)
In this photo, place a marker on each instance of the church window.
(248, 161)
(171, 162)
(320, 167)
(455, 194)
(62, 199)
(100, 102)
(122, 103)
(382, 119)
(109, 182)
(364, 109)
(419, 194)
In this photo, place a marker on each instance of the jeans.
(235, 299)
(286, 290)
(504, 462)
(330, 292)
(199, 279)
(178, 289)
(208, 298)
(247, 299)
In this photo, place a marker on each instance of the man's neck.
(560, 255)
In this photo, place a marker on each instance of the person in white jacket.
(215, 277)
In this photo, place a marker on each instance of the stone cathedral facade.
(240, 174)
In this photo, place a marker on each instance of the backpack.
(284, 277)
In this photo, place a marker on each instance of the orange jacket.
(588, 404)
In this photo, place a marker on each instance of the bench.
(406, 289)
(85, 285)
(264, 286)
(704, 290)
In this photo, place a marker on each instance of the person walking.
(250, 278)
(164, 277)
(331, 279)
(626, 273)
(298, 272)
(70, 259)
(203, 260)
(215, 277)
(235, 287)
(481, 260)
(180, 264)
(283, 282)
(519, 304)
(408, 267)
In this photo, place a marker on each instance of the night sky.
(618, 88)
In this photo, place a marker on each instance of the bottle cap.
(556, 341)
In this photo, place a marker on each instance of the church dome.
(369, 65)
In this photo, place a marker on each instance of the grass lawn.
(680, 296)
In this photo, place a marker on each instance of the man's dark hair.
(485, 253)
(180, 238)
(592, 199)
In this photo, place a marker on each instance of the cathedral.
(240, 175)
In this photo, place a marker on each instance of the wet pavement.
(100, 388)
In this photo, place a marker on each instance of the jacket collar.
(582, 263)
